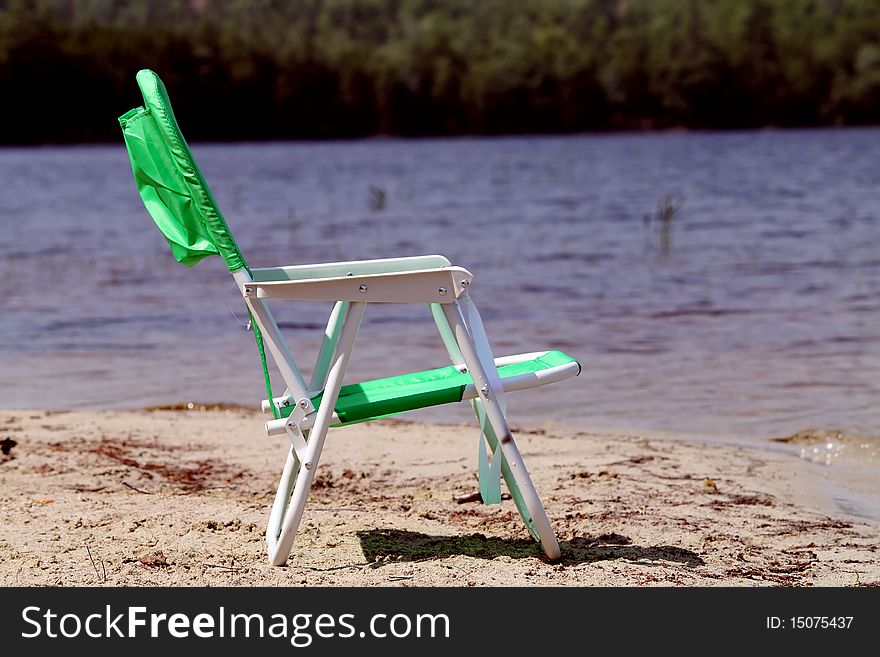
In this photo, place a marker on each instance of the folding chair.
(178, 199)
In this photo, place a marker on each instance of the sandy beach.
(181, 498)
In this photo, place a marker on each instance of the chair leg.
(282, 498)
(447, 335)
(290, 501)
(279, 549)
(467, 328)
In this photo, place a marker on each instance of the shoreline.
(181, 498)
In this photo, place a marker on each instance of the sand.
(181, 498)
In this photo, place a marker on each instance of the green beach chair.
(178, 199)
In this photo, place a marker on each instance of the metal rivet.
(304, 403)
(485, 390)
(362, 289)
(308, 465)
(286, 402)
(466, 282)
(248, 290)
(443, 291)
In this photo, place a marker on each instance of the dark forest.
(271, 69)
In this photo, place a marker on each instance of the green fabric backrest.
(170, 182)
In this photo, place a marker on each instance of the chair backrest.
(170, 182)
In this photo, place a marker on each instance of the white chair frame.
(352, 285)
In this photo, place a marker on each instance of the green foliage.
(337, 68)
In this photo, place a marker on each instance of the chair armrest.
(438, 285)
(351, 268)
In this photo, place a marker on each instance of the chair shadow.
(401, 545)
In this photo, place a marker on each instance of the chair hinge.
(297, 439)
(303, 409)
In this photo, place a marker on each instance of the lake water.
(754, 312)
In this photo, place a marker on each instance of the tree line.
(277, 69)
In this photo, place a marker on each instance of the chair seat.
(369, 400)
